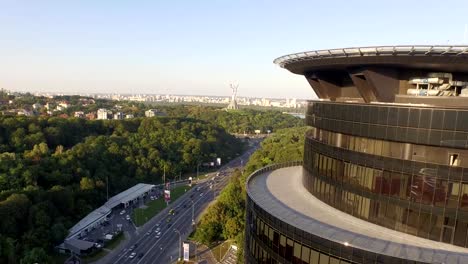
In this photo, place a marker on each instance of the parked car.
(122, 212)
(132, 255)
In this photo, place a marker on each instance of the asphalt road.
(165, 249)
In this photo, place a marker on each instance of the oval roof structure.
(440, 58)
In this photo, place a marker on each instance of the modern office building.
(385, 172)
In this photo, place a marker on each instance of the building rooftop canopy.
(413, 50)
(431, 75)
(123, 197)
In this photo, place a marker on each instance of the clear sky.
(198, 47)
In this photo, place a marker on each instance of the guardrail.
(271, 167)
(413, 50)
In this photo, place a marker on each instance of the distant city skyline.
(198, 48)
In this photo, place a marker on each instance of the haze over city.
(197, 48)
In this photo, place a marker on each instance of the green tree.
(36, 255)
(86, 184)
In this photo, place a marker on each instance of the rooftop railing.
(415, 50)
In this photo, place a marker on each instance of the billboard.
(186, 251)
(167, 195)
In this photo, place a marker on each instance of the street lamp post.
(193, 220)
(198, 165)
(180, 242)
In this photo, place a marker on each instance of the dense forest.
(54, 171)
(245, 121)
(225, 219)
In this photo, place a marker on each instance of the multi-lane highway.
(158, 240)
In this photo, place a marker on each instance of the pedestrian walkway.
(201, 254)
(231, 256)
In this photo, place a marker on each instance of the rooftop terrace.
(281, 193)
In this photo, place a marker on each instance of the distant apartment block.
(153, 112)
(119, 116)
(79, 114)
(103, 114)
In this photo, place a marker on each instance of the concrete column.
(338, 140)
(384, 83)
(363, 86)
(315, 133)
(407, 151)
(326, 86)
(376, 84)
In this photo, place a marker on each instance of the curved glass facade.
(270, 241)
(419, 187)
(430, 126)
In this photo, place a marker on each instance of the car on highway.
(132, 255)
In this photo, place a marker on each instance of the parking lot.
(119, 221)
